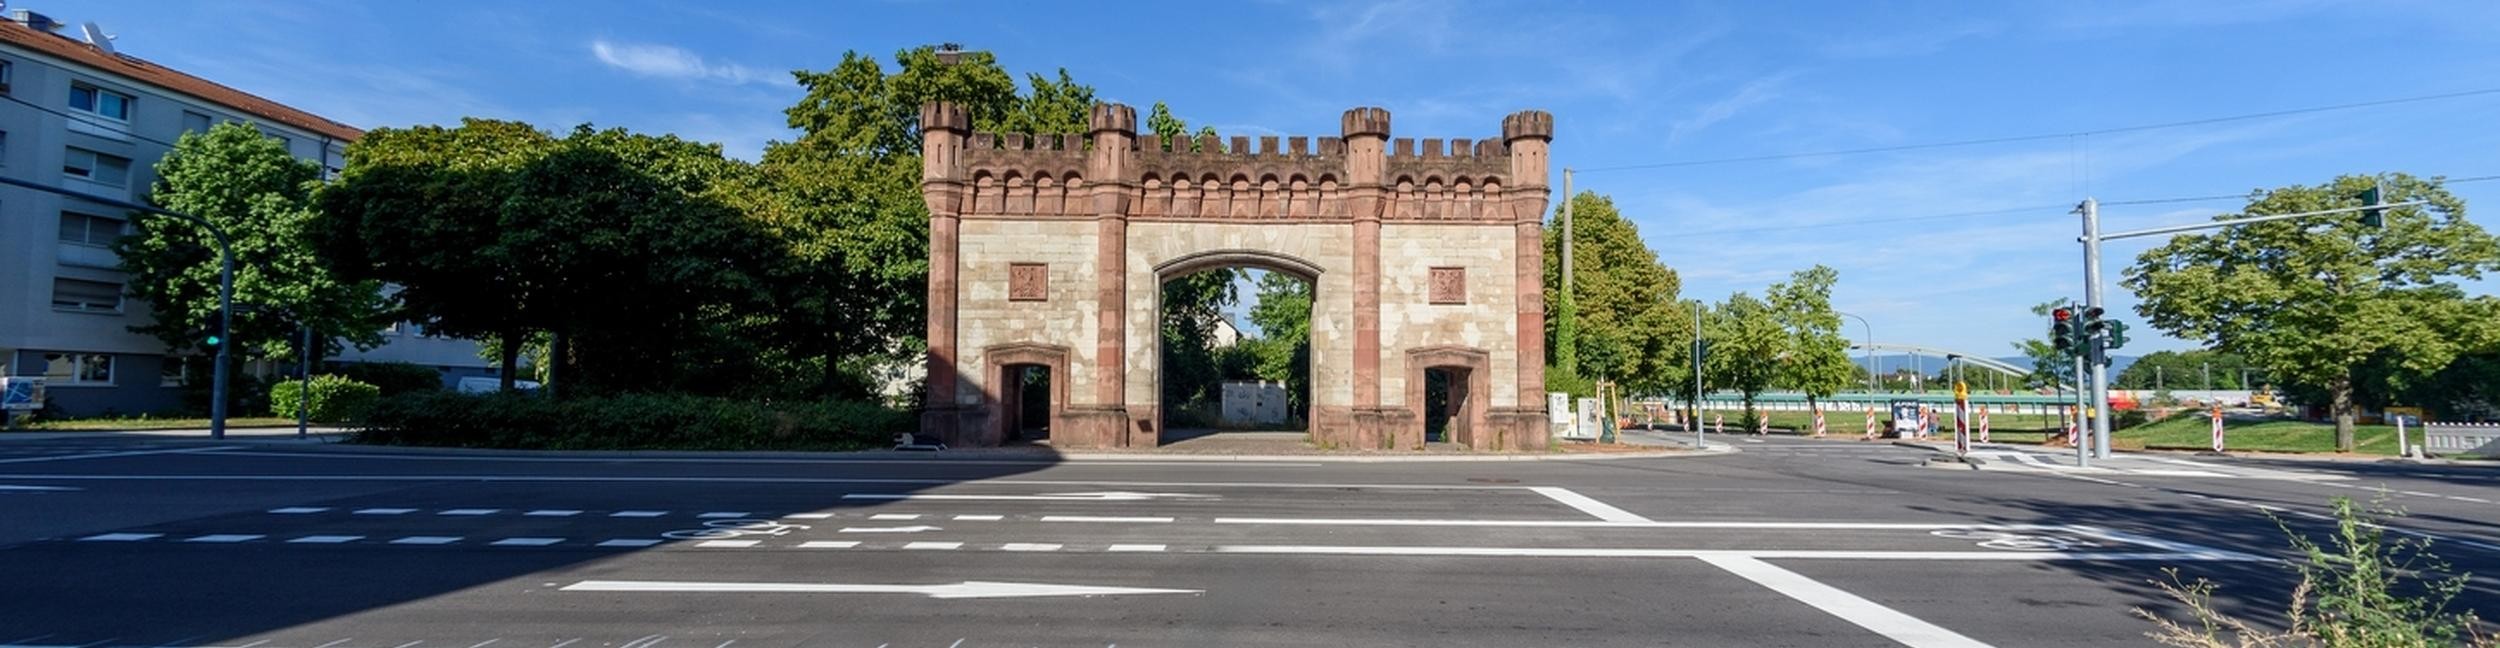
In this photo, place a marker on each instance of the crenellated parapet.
(1112, 168)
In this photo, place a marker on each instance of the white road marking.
(895, 516)
(384, 511)
(1588, 505)
(980, 518)
(724, 514)
(1892, 624)
(1135, 548)
(727, 543)
(468, 511)
(482, 644)
(567, 642)
(409, 644)
(12, 488)
(299, 509)
(1799, 554)
(226, 537)
(326, 539)
(828, 544)
(1652, 524)
(638, 514)
(525, 542)
(2419, 493)
(1030, 546)
(1104, 518)
(938, 546)
(107, 455)
(629, 542)
(122, 537)
(426, 540)
(591, 479)
(553, 513)
(899, 529)
(966, 589)
(334, 643)
(808, 516)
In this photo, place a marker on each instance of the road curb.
(1036, 456)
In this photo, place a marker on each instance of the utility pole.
(2209, 376)
(1566, 242)
(2083, 442)
(303, 390)
(2157, 384)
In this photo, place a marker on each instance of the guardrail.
(2475, 439)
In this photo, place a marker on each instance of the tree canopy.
(2310, 300)
(248, 186)
(1817, 360)
(1623, 322)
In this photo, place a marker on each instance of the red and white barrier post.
(1961, 419)
(1718, 422)
(1983, 423)
(2217, 412)
(1870, 423)
(1818, 420)
(2071, 430)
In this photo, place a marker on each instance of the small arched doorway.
(1464, 378)
(1018, 376)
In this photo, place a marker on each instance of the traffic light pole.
(2099, 381)
(225, 290)
(2092, 238)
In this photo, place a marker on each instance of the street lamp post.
(225, 290)
(1870, 350)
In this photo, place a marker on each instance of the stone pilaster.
(943, 127)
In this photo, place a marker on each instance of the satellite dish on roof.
(97, 37)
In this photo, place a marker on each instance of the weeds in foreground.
(2360, 590)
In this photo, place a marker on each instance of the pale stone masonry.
(1050, 251)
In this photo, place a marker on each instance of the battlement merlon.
(1529, 134)
(943, 127)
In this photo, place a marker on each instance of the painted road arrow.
(1104, 496)
(963, 590)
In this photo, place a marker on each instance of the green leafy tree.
(421, 208)
(1623, 322)
(246, 184)
(1061, 106)
(1817, 362)
(1192, 304)
(1747, 347)
(2309, 300)
(2181, 370)
(1283, 348)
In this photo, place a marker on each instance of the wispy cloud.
(670, 62)
(1752, 93)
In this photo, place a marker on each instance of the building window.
(102, 102)
(194, 122)
(173, 372)
(98, 167)
(86, 296)
(83, 229)
(7, 72)
(77, 369)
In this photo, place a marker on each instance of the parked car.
(491, 384)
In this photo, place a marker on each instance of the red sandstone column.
(1113, 130)
(1530, 134)
(943, 128)
(1365, 131)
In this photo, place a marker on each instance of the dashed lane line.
(108, 455)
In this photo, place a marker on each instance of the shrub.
(2361, 588)
(394, 378)
(335, 399)
(629, 421)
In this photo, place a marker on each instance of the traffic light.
(2373, 216)
(2093, 325)
(212, 335)
(2062, 331)
(2117, 334)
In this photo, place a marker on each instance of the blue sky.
(1630, 84)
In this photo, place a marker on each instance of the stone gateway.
(1050, 252)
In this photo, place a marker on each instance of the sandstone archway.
(1430, 254)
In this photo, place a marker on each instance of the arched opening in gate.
(1454, 384)
(1234, 351)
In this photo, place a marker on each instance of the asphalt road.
(1789, 542)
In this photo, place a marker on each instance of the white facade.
(68, 121)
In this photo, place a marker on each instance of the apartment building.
(77, 114)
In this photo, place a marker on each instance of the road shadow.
(179, 590)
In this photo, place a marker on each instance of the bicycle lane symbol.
(2015, 541)
(718, 529)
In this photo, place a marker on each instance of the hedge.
(394, 378)
(629, 422)
(335, 399)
